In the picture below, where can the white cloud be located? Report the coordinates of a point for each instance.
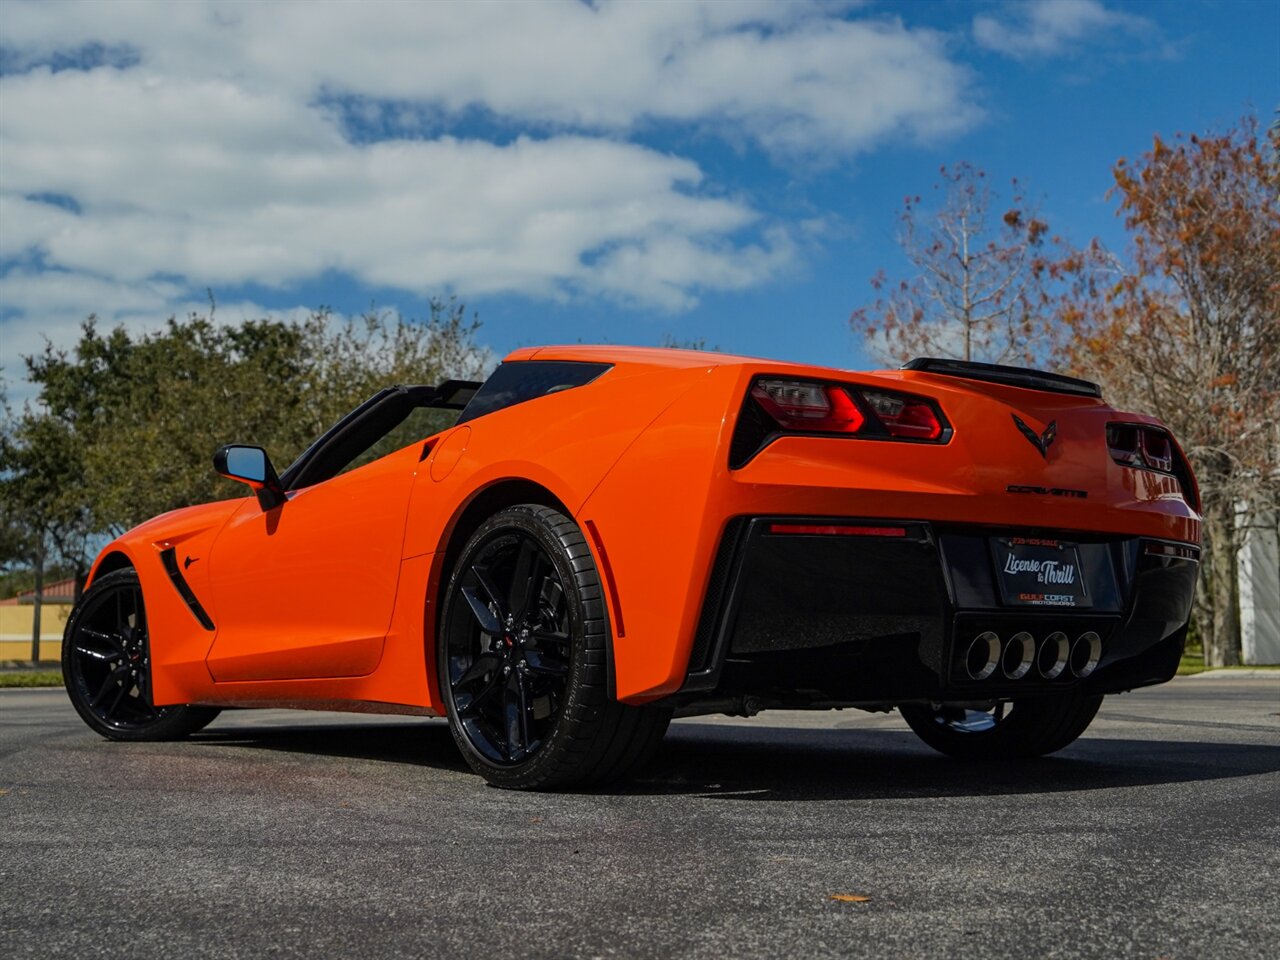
(794, 75)
(209, 182)
(148, 150)
(1043, 28)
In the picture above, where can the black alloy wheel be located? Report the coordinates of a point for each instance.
(1003, 730)
(508, 673)
(106, 666)
(522, 659)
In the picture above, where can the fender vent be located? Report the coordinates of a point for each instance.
(170, 560)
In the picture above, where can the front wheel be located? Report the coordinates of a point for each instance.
(1003, 731)
(106, 666)
(522, 657)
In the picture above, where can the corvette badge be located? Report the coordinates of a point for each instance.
(1040, 441)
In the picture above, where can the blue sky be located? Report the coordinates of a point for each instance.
(730, 171)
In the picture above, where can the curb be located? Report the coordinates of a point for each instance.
(1220, 673)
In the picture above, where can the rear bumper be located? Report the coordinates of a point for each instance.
(813, 619)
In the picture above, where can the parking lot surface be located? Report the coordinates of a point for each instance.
(277, 833)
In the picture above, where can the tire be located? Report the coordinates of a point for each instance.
(106, 660)
(1019, 730)
(522, 656)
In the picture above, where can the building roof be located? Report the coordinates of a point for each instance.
(60, 591)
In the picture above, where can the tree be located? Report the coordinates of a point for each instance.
(144, 413)
(1187, 326)
(671, 342)
(44, 521)
(973, 293)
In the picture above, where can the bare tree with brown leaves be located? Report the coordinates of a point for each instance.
(973, 293)
(1187, 326)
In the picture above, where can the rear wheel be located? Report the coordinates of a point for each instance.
(1004, 731)
(106, 666)
(523, 659)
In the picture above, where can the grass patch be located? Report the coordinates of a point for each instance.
(1192, 660)
(31, 678)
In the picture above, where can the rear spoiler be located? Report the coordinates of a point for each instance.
(1011, 376)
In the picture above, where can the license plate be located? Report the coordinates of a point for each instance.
(1035, 572)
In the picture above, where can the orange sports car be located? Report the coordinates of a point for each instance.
(610, 536)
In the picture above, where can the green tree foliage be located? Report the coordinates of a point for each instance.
(124, 425)
(41, 516)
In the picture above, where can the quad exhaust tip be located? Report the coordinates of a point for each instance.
(983, 655)
(1055, 650)
(1019, 654)
(1085, 654)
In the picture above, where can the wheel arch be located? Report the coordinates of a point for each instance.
(484, 503)
(109, 562)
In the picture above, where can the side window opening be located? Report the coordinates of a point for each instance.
(390, 419)
(418, 424)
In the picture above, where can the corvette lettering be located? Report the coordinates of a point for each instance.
(1047, 491)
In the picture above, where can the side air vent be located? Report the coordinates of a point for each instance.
(170, 560)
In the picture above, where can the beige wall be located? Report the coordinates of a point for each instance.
(15, 631)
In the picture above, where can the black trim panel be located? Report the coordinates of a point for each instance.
(826, 618)
(707, 642)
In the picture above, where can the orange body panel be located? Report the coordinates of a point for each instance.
(333, 595)
(317, 574)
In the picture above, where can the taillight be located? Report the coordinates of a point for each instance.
(799, 405)
(775, 406)
(906, 417)
(1157, 452)
(1152, 448)
(1123, 442)
(1137, 445)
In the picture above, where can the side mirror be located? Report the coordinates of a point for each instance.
(251, 465)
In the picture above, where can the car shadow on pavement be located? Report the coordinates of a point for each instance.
(744, 762)
(741, 763)
(426, 743)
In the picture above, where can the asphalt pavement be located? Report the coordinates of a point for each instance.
(283, 834)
